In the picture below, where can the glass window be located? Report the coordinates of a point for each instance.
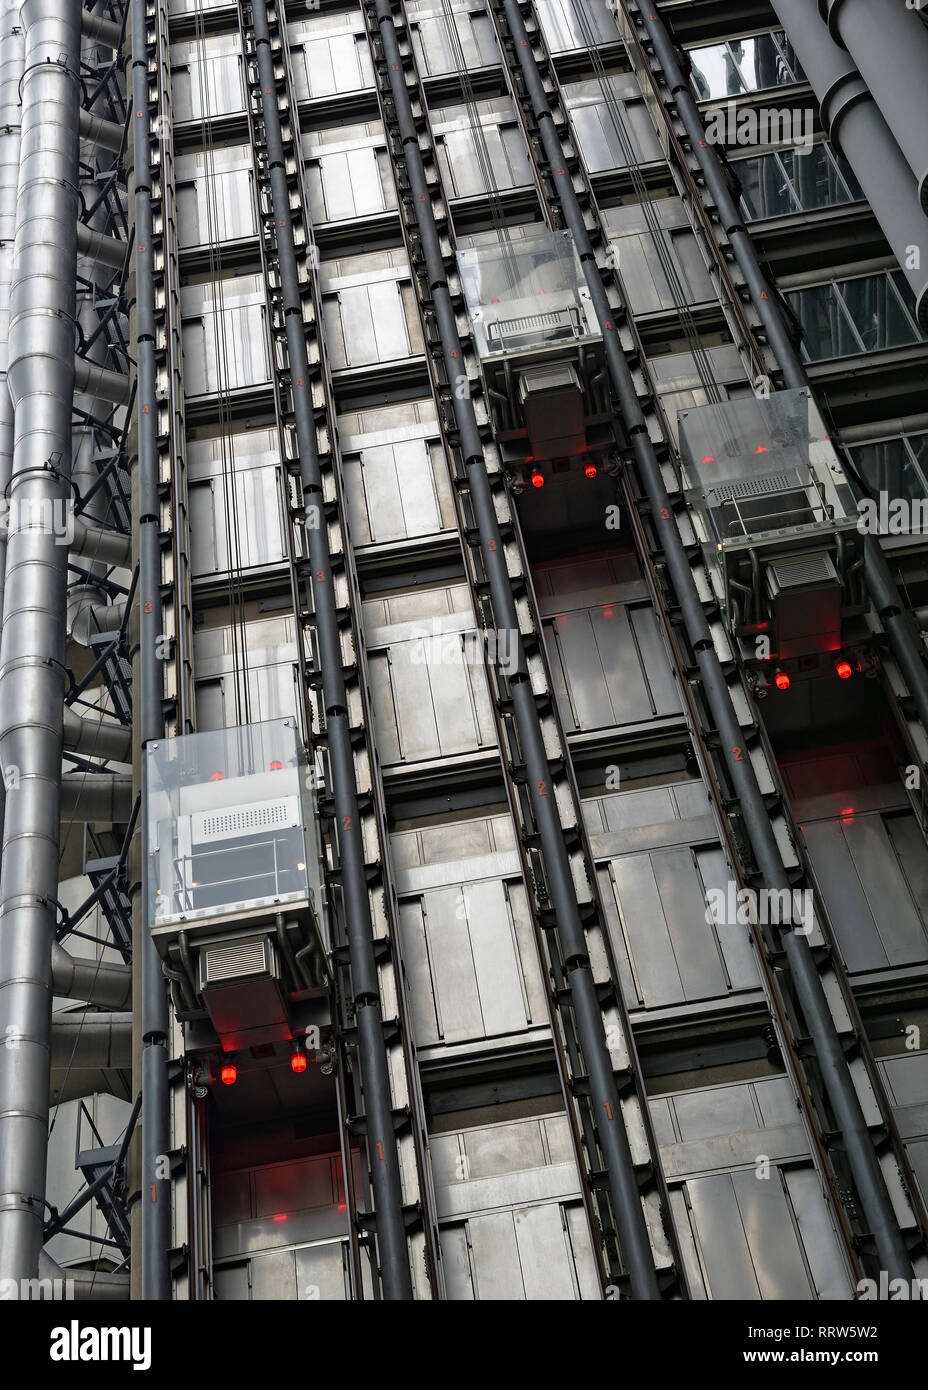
(744, 65)
(866, 314)
(783, 182)
(896, 466)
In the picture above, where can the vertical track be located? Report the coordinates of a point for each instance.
(387, 1104)
(603, 1087)
(163, 654)
(811, 990)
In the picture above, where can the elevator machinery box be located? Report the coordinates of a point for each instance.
(539, 345)
(234, 874)
(777, 519)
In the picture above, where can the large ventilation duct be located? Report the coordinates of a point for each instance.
(107, 984)
(96, 736)
(856, 127)
(889, 44)
(99, 543)
(81, 1041)
(12, 52)
(32, 650)
(84, 1285)
(105, 797)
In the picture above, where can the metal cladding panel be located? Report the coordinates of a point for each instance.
(225, 336)
(430, 696)
(215, 197)
(329, 55)
(873, 873)
(438, 50)
(597, 118)
(471, 962)
(207, 77)
(562, 26)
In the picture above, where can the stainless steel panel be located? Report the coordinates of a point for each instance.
(215, 202)
(562, 26)
(324, 66)
(869, 902)
(321, 1272)
(471, 962)
(656, 911)
(438, 51)
(207, 78)
(237, 519)
(274, 1276)
(224, 337)
(231, 1282)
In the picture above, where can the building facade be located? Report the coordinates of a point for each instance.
(463, 685)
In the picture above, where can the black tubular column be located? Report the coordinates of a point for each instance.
(877, 574)
(381, 1130)
(862, 1157)
(623, 1184)
(156, 1187)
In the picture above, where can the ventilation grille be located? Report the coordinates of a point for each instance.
(240, 820)
(803, 570)
(231, 962)
(770, 484)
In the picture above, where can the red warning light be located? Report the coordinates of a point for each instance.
(844, 669)
(298, 1060)
(781, 680)
(538, 478)
(276, 766)
(708, 459)
(591, 470)
(217, 777)
(229, 1074)
(762, 449)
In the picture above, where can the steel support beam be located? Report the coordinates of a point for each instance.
(155, 1022)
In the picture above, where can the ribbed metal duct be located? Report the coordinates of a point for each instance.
(12, 54)
(82, 1040)
(107, 984)
(98, 543)
(105, 797)
(88, 1285)
(32, 650)
(97, 736)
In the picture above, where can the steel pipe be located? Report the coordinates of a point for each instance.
(104, 797)
(32, 649)
(861, 1154)
(85, 1041)
(93, 380)
(106, 984)
(85, 1285)
(857, 129)
(889, 44)
(96, 131)
(100, 248)
(96, 26)
(12, 56)
(100, 543)
(154, 1022)
(96, 736)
